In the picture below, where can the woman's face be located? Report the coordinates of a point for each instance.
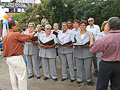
(31, 28)
(83, 26)
(106, 28)
(48, 30)
(76, 25)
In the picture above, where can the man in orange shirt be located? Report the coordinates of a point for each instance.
(13, 50)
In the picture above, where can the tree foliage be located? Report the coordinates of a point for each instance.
(57, 11)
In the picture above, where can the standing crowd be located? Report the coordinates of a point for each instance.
(74, 45)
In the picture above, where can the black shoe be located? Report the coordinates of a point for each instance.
(78, 82)
(90, 83)
(71, 80)
(30, 76)
(38, 77)
(45, 78)
(63, 79)
(40, 67)
(75, 69)
(55, 79)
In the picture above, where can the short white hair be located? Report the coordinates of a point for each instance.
(48, 26)
(39, 25)
(31, 23)
(55, 23)
(90, 18)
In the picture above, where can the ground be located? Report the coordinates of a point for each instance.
(35, 84)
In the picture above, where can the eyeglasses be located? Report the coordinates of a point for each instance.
(30, 26)
(90, 21)
(82, 25)
(49, 28)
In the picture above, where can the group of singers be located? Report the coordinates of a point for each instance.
(71, 44)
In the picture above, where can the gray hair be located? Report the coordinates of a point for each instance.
(114, 23)
(39, 25)
(31, 23)
(92, 18)
(48, 25)
(65, 23)
(55, 23)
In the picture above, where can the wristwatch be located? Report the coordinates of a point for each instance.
(35, 31)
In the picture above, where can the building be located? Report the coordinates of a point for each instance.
(16, 6)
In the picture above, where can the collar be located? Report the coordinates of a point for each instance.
(92, 26)
(114, 31)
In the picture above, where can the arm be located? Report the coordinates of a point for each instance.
(44, 46)
(86, 45)
(97, 46)
(33, 33)
(25, 38)
(68, 45)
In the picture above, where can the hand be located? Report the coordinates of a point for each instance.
(59, 44)
(40, 45)
(37, 29)
(34, 42)
(86, 45)
(45, 46)
(91, 37)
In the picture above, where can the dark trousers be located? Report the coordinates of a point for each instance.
(108, 71)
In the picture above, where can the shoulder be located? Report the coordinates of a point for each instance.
(77, 33)
(100, 33)
(54, 36)
(26, 32)
(18, 33)
(42, 35)
(88, 26)
(89, 32)
(96, 26)
(69, 31)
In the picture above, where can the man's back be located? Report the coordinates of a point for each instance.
(109, 45)
(13, 43)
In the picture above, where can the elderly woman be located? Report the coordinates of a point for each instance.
(48, 53)
(104, 32)
(31, 51)
(82, 54)
(65, 51)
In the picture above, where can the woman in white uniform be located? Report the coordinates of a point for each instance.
(74, 30)
(82, 54)
(31, 51)
(104, 32)
(40, 32)
(48, 53)
(65, 52)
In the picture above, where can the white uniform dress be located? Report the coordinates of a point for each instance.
(74, 59)
(66, 54)
(31, 51)
(39, 58)
(83, 57)
(49, 56)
